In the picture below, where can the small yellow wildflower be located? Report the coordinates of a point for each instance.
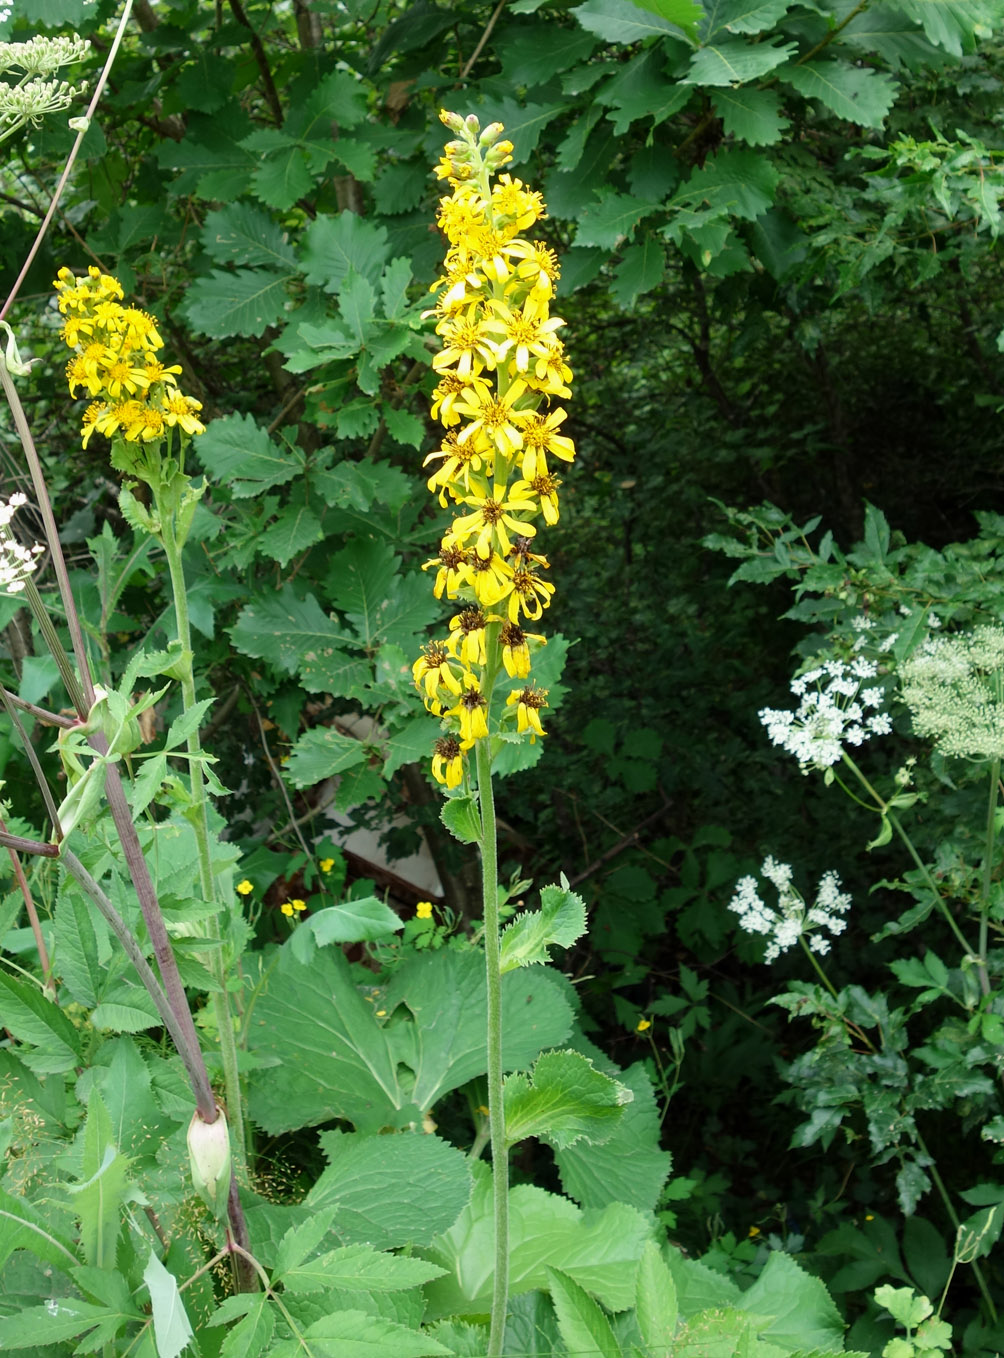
(289, 908)
(245, 888)
(326, 864)
(643, 1025)
(423, 910)
(754, 1231)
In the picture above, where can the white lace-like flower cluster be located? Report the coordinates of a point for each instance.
(32, 96)
(792, 918)
(833, 712)
(16, 561)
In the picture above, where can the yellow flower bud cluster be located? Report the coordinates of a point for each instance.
(501, 370)
(133, 394)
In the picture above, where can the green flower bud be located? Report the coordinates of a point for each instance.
(209, 1158)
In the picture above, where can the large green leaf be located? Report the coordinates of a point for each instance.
(628, 1167)
(335, 1057)
(296, 528)
(803, 1315)
(752, 116)
(285, 630)
(243, 234)
(656, 1306)
(355, 1334)
(607, 223)
(621, 22)
(562, 1100)
(325, 752)
(336, 246)
(737, 182)
(238, 453)
(641, 269)
(599, 1250)
(245, 302)
(212, 161)
(559, 922)
(953, 24)
(32, 1017)
(582, 1324)
(856, 93)
(741, 16)
(432, 1185)
(734, 62)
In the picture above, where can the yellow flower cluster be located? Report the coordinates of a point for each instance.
(133, 394)
(501, 368)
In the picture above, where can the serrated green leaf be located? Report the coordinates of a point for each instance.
(737, 182)
(741, 16)
(656, 1307)
(252, 1335)
(245, 302)
(76, 949)
(858, 94)
(629, 1167)
(621, 22)
(608, 222)
(953, 24)
(582, 1325)
(211, 158)
(560, 921)
(32, 1017)
(296, 528)
(285, 630)
(599, 1250)
(461, 818)
(362, 1268)
(242, 234)
(641, 269)
(336, 246)
(58, 1320)
(335, 1058)
(411, 743)
(803, 1315)
(323, 753)
(125, 1018)
(431, 1178)
(734, 62)
(355, 1334)
(752, 116)
(564, 1099)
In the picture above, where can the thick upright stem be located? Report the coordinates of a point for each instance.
(496, 1111)
(200, 823)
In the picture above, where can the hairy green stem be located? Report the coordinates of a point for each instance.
(496, 1110)
(200, 824)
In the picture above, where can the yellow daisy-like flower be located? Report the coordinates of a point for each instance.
(245, 888)
(500, 362)
(448, 762)
(423, 910)
(528, 703)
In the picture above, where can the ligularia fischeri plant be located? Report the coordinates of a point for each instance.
(500, 368)
(792, 919)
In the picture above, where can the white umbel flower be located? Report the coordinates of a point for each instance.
(836, 709)
(791, 919)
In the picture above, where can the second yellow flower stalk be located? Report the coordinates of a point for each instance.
(501, 371)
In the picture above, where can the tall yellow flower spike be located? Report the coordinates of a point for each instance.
(133, 394)
(500, 367)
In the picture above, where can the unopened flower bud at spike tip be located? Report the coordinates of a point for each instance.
(209, 1160)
